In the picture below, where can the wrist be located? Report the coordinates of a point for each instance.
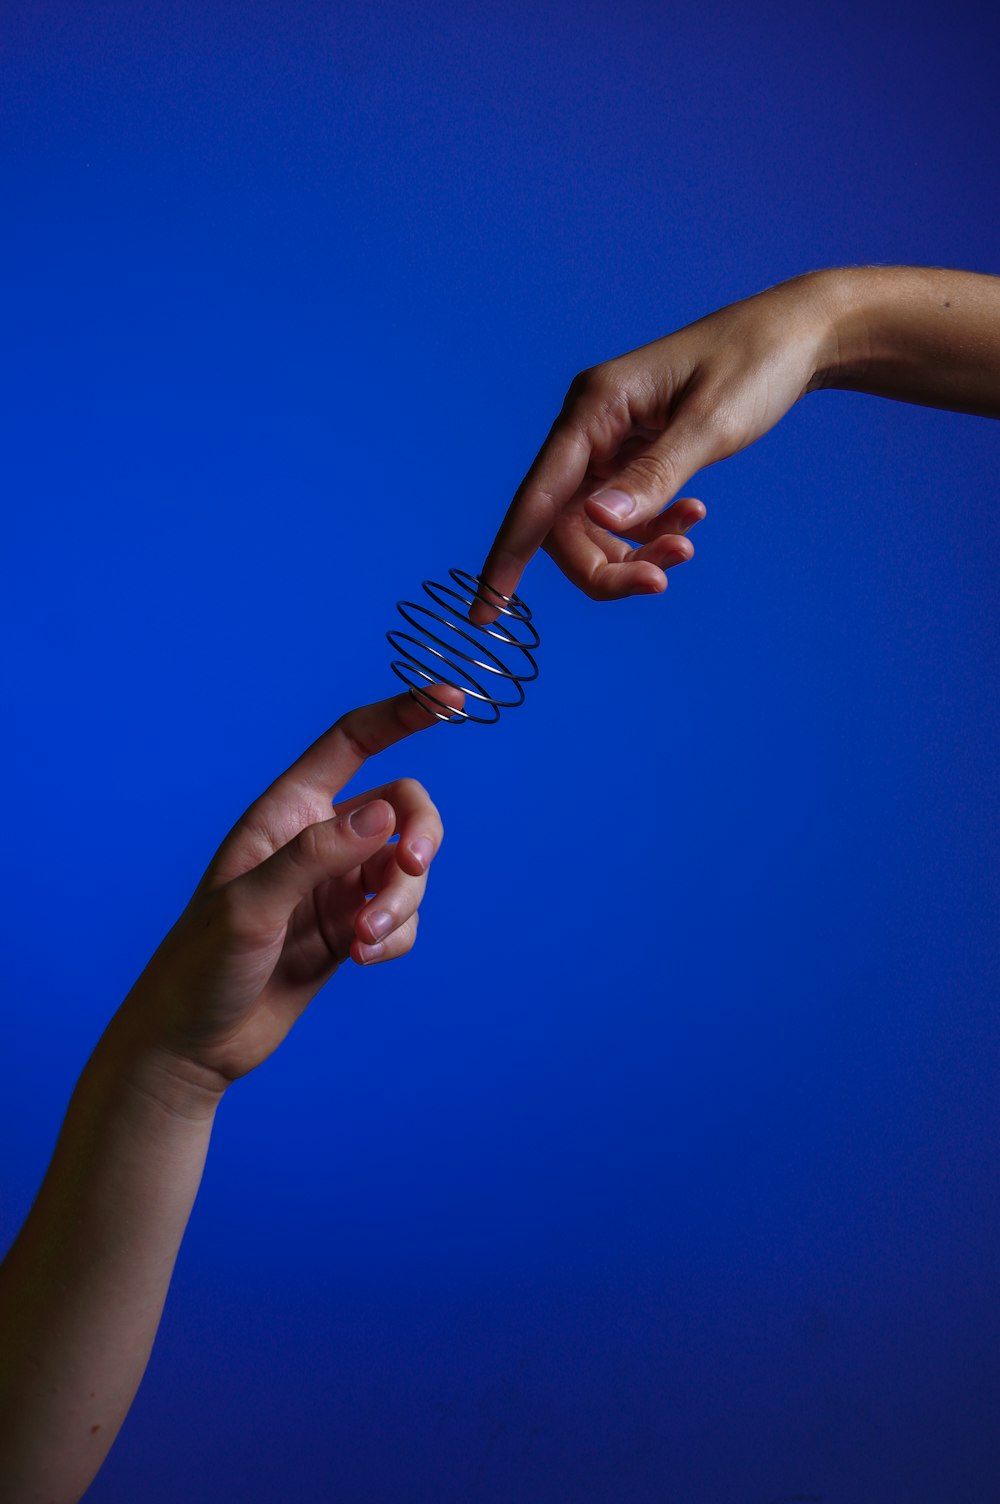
(833, 307)
(865, 306)
(181, 1087)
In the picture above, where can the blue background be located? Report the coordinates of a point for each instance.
(665, 1168)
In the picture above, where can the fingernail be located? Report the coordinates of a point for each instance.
(423, 850)
(618, 503)
(370, 953)
(379, 924)
(369, 819)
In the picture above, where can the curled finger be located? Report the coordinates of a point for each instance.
(418, 823)
(676, 522)
(395, 945)
(603, 566)
(396, 897)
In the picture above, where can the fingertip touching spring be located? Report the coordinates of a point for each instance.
(490, 664)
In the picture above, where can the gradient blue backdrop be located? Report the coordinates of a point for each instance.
(665, 1169)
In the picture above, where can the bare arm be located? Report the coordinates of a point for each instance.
(632, 431)
(292, 892)
(82, 1290)
(919, 334)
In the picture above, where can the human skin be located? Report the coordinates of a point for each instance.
(632, 431)
(281, 906)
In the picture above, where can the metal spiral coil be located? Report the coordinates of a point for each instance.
(441, 653)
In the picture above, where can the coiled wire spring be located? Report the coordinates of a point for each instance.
(439, 655)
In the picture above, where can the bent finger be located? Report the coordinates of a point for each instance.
(418, 822)
(678, 519)
(602, 578)
(336, 756)
(640, 490)
(390, 949)
(263, 898)
(396, 899)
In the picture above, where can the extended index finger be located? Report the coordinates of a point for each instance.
(335, 757)
(553, 480)
(304, 792)
(296, 796)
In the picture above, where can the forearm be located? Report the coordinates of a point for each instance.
(919, 334)
(82, 1289)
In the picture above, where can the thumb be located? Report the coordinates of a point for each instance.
(265, 897)
(643, 487)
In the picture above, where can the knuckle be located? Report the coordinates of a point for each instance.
(350, 728)
(655, 470)
(435, 816)
(259, 835)
(580, 386)
(410, 791)
(546, 505)
(228, 912)
(597, 398)
(594, 381)
(399, 942)
(307, 849)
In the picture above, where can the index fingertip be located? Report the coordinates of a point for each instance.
(482, 615)
(497, 583)
(423, 707)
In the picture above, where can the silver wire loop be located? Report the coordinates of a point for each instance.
(441, 654)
